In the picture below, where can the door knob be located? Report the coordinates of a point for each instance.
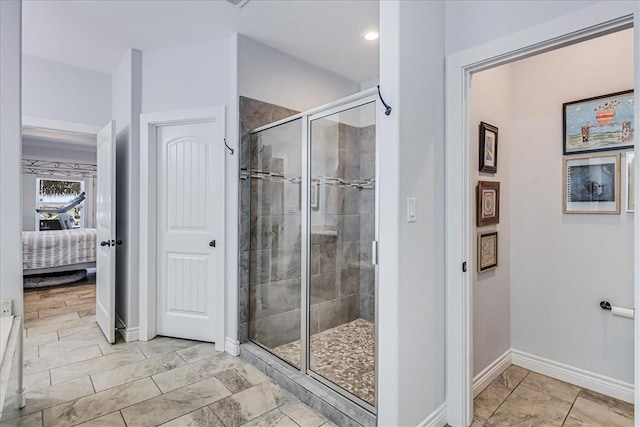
(105, 243)
(118, 242)
(212, 243)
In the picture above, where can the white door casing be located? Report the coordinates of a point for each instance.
(188, 237)
(588, 23)
(106, 231)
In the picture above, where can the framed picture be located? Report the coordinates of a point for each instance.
(488, 148)
(598, 124)
(592, 184)
(488, 203)
(487, 251)
(630, 173)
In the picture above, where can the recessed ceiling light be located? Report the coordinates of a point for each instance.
(371, 35)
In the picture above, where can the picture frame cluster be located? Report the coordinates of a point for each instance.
(487, 199)
(595, 132)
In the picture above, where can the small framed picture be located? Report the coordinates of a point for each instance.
(488, 148)
(488, 203)
(487, 251)
(592, 184)
(598, 124)
(630, 173)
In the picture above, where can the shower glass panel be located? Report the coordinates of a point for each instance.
(275, 246)
(342, 228)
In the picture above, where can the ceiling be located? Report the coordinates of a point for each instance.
(95, 34)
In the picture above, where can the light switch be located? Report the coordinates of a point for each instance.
(411, 209)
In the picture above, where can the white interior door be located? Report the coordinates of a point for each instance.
(190, 222)
(106, 232)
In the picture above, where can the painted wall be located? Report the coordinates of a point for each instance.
(564, 265)
(53, 90)
(411, 381)
(490, 101)
(10, 153)
(472, 23)
(195, 76)
(270, 75)
(126, 92)
(64, 153)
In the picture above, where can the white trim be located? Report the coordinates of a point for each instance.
(127, 334)
(437, 418)
(572, 375)
(232, 346)
(30, 122)
(590, 22)
(491, 372)
(148, 122)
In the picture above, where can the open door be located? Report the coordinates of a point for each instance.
(106, 232)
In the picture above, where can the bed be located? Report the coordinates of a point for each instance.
(58, 251)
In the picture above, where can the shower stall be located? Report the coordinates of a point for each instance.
(313, 244)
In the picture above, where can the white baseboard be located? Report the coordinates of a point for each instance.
(232, 346)
(491, 372)
(576, 376)
(437, 418)
(128, 334)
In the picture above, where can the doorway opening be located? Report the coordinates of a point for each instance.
(512, 225)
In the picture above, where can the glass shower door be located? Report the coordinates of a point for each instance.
(275, 279)
(342, 229)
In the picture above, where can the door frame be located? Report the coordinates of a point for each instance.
(585, 24)
(149, 122)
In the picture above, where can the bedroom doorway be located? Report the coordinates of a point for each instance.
(60, 198)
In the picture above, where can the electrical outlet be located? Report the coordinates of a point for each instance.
(5, 307)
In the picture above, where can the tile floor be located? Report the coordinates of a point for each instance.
(74, 377)
(344, 355)
(522, 398)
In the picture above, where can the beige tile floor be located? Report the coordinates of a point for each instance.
(74, 377)
(522, 398)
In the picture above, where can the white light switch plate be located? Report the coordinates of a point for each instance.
(411, 209)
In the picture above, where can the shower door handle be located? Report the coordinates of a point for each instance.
(374, 252)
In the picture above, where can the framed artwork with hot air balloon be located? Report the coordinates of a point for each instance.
(598, 124)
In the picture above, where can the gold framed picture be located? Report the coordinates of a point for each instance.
(487, 251)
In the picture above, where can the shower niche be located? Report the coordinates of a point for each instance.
(312, 234)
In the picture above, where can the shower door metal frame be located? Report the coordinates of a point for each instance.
(344, 104)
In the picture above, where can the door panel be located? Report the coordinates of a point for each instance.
(106, 232)
(190, 225)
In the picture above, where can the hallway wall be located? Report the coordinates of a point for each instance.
(490, 101)
(563, 265)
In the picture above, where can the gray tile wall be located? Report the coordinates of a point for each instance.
(342, 277)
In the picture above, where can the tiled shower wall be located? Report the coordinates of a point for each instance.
(342, 228)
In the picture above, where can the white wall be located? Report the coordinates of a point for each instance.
(564, 265)
(195, 76)
(126, 92)
(52, 90)
(10, 153)
(411, 382)
(471, 22)
(490, 101)
(39, 150)
(270, 75)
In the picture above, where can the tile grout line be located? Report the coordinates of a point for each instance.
(571, 408)
(507, 396)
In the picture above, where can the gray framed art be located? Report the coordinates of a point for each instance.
(592, 184)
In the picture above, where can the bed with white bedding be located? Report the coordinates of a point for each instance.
(58, 250)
